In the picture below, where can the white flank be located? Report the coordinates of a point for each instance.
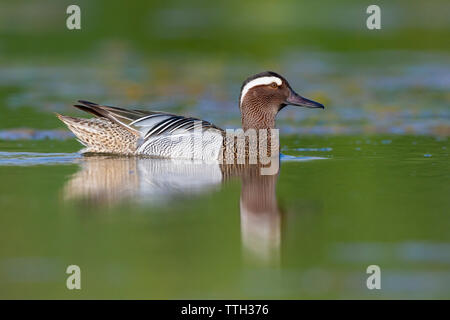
(196, 145)
(259, 82)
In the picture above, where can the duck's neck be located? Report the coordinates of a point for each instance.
(258, 116)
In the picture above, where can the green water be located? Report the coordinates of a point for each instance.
(372, 200)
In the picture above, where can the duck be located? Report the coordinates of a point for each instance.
(109, 181)
(132, 132)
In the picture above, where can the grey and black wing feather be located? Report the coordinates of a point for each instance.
(146, 124)
(171, 124)
(162, 134)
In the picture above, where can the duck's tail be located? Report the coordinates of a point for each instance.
(101, 135)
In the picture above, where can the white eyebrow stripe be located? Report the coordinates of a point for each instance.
(259, 82)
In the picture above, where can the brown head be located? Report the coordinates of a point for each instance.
(263, 95)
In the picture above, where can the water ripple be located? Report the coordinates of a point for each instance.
(36, 158)
(286, 157)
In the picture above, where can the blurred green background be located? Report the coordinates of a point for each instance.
(192, 57)
(255, 29)
(379, 196)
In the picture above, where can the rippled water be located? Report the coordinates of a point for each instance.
(149, 228)
(36, 158)
(363, 182)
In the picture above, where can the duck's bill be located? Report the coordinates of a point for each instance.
(297, 100)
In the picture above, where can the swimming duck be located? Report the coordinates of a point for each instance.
(159, 134)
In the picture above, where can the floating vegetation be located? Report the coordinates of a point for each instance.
(314, 149)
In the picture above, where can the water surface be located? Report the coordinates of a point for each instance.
(365, 181)
(149, 228)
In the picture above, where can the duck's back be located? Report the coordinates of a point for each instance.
(135, 132)
(100, 135)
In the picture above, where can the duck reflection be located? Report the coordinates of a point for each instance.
(260, 216)
(109, 180)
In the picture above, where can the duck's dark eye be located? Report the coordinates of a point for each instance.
(274, 85)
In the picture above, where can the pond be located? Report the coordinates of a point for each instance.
(149, 228)
(363, 182)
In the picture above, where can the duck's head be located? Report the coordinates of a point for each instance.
(263, 95)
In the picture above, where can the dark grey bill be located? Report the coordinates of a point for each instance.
(297, 100)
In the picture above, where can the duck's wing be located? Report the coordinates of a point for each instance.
(146, 124)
